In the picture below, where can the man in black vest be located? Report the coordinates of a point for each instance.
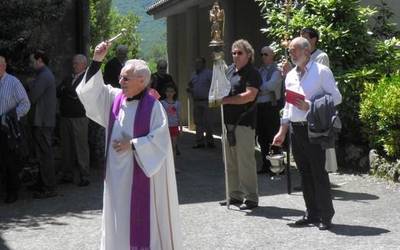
(268, 119)
(161, 78)
(74, 127)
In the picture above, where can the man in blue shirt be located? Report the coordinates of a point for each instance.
(268, 119)
(13, 102)
(199, 87)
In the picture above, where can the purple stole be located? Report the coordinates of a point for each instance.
(140, 194)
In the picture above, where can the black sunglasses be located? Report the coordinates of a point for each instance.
(239, 53)
(264, 54)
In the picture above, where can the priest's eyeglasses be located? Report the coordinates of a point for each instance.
(124, 78)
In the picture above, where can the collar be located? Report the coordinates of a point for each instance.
(308, 66)
(38, 71)
(136, 97)
(267, 66)
(75, 76)
(244, 69)
(315, 50)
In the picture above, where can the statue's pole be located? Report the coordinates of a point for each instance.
(217, 19)
(285, 43)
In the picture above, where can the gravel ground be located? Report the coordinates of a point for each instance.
(367, 213)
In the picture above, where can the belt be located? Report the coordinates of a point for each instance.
(299, 124)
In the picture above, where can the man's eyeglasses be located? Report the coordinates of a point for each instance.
(239, 53)
(264, 54)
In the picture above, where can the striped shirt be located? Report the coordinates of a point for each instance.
(13, 95)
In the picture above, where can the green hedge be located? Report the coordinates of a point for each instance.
(380, 115)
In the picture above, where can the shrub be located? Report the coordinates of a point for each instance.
(343, 27)
(380, 115)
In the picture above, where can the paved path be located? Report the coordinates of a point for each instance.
(367, 213)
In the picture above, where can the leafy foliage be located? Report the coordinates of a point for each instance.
(342, 25)
(100, 15)
(370, 110)
(106, 22)
(128, 21)
(380, 114)
(152, 32)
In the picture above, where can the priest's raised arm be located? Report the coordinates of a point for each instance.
(140, 208)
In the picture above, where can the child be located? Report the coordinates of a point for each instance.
(173, 108)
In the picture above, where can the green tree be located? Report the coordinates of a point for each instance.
(106, 22)
(343, 27)
(100, 20)
(131, 38)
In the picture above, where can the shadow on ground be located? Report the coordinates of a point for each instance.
(356, 230)
(71, 201)
(351, 230)
(278, 213)
(352, 196)
(202, 177)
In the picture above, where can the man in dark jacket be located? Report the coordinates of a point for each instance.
(161, 78)
(74, 126)
(42, 94)
(114, 66)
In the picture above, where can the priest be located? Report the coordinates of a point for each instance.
(140, 203)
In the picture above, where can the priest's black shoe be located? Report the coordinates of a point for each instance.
(325, 225)
(305, 221)
(248, 205)
(232, 201)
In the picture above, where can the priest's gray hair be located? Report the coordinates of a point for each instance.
(80, 58)
(302, 42)
(137, 67)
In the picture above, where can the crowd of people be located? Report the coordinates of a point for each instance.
(252, 110)
(115, 120)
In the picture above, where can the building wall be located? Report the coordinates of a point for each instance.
(188, 36)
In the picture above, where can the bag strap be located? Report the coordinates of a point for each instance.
(242, 115)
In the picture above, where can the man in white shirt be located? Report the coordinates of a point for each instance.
(309, 79)
(321, 57)
(317, 55)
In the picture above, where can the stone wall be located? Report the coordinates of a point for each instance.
(61, 39)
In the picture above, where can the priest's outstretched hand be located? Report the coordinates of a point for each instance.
(101, 51)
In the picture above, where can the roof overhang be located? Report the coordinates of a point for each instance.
(165, 8)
